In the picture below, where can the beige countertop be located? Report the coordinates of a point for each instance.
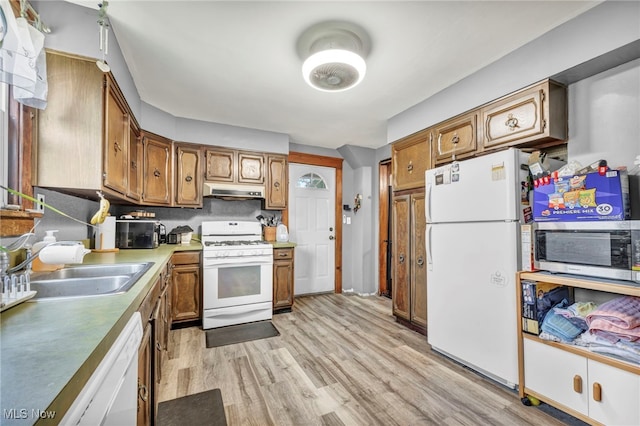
(277, 245)
(50, 348)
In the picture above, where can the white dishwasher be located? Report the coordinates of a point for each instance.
(110, 396)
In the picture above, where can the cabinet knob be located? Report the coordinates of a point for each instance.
(577, 384)
(512, 122)
(410, 168)
(276, 185)
(134, 165)
(597, 392)
(156, 173)
(188, 178)
(455, 139)
(401, 258)
(420, 261)
(116, 146)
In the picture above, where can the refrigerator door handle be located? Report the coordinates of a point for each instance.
(429, 256)
(427, 210)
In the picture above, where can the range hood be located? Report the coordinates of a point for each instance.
(233, 191)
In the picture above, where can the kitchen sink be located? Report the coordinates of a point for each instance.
(87, 280)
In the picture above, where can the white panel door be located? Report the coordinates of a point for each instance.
(471, 295)
(312, 227)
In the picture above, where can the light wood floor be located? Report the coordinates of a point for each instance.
(340, 360)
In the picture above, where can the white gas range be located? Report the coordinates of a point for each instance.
(237, 273)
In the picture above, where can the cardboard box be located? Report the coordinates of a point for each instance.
(526, 238)
(589, 197)
(537, 299)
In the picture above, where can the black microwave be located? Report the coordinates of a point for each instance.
(137, 234)
(605, 249)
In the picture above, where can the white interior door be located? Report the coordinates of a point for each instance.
(312, 224)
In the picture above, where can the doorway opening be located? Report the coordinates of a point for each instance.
(385, 272)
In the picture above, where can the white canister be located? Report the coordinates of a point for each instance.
(282, 234)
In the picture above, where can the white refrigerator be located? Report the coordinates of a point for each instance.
(473, 212)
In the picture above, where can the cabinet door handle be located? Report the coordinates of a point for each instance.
(134, 165)
(512, 122)
(188, 178)
(282, 254)
(577, 384)
(143, 392)
(116, 146)
(455, 139)
(156, 173)
(401, 258)
(276, 185)
(597, 392)
(410, 168)
(420, 261)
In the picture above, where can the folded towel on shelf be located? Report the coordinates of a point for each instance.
(622, 312)
(562, 327)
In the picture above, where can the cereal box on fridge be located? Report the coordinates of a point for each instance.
(589, 197)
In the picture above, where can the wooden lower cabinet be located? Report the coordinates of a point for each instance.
(283, 279)
(151, 351)
(409, 285)
(144, 377)
(186, 287)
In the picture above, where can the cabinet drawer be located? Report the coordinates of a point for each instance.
(185, 258)
(282, 253)
(535, 114)
(456, 138)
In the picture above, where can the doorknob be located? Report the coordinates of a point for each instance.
(331, 237)
(330, 229)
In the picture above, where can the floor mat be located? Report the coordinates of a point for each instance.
(204, 408)
(240, 333)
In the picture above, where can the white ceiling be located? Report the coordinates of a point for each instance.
(235, 62)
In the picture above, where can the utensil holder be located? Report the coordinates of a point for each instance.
(269, 233)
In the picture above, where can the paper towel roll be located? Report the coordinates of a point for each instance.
(63, 254)
(106, 234)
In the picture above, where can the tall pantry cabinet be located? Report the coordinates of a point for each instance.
(411, 157)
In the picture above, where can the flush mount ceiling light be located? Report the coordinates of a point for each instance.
(333, 54)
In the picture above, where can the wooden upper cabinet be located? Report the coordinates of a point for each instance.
(188, 185)
(456, 138)
(71, 131)
(411, 157)
(232, 166)
(134, 184)
(533, 115)
(277, 182)
(116, 139)
(250, 168)
(220, 165)
(157, 177)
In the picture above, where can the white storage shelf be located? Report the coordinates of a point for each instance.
(594, 388)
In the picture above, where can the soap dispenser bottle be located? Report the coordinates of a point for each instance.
(37, 265)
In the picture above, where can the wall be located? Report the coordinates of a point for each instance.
(601, 29)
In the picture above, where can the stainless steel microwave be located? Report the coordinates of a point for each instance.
(604, 249)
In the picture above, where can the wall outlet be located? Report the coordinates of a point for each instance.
(39, 207)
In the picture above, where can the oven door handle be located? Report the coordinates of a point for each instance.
(221, 263)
